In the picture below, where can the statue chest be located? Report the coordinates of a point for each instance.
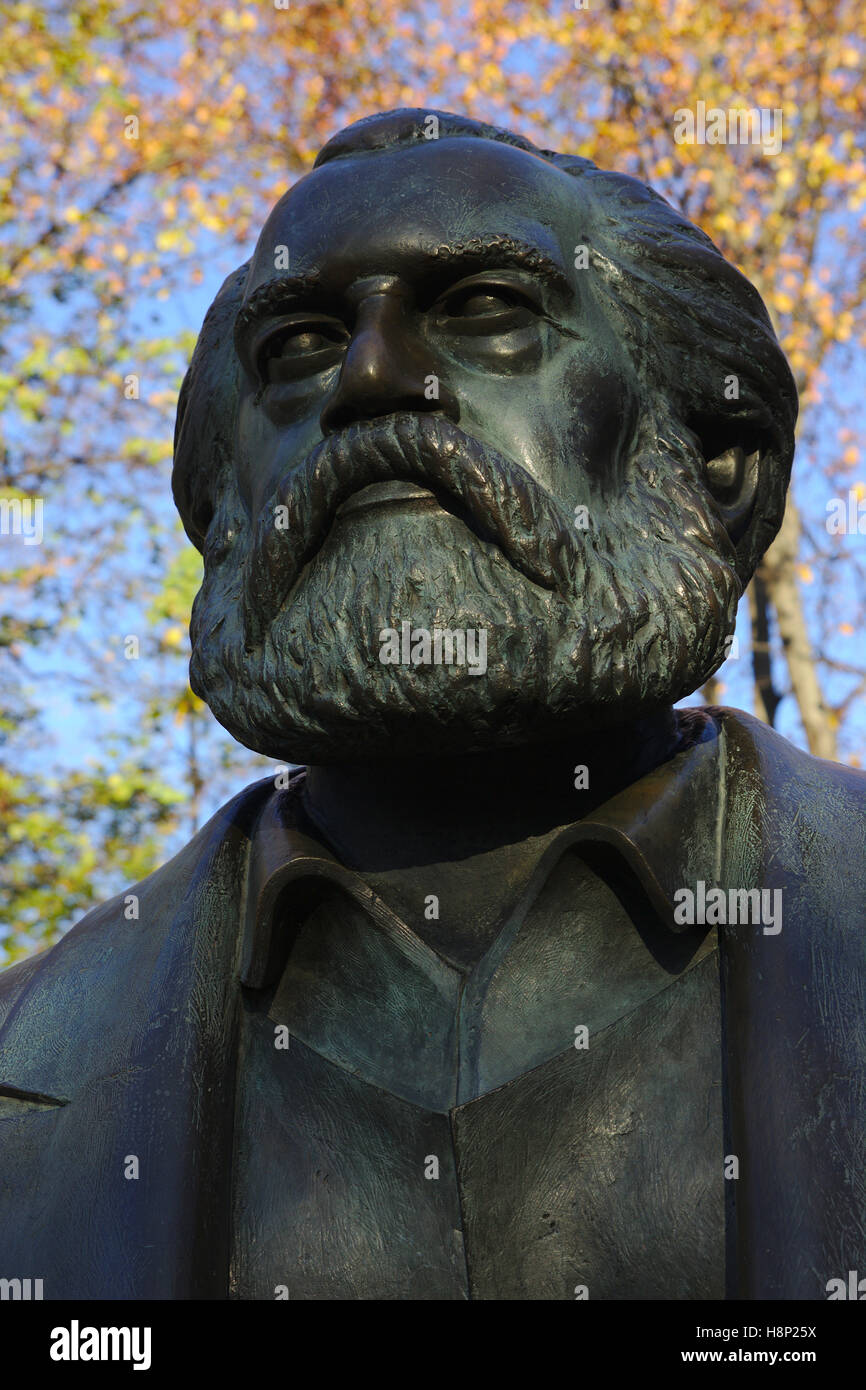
(546, 1129)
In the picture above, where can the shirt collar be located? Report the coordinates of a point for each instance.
(666, 827)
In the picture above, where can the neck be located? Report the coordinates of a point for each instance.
(392, 815)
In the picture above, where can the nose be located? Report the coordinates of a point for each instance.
(385, 368)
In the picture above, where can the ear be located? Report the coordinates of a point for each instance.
(732, 478)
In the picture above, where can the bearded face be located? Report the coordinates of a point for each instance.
(438, 433)
(580, 630)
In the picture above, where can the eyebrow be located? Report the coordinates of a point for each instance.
(505, 250)
(273, 296)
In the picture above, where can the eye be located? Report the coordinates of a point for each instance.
(299, 346)
(472, 303)
(485, 306)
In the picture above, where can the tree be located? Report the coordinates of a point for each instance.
(142, 147)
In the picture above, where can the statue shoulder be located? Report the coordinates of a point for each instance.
(783, 762)
(808, 813)
(133, 923)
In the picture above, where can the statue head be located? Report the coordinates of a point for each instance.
(468, 386)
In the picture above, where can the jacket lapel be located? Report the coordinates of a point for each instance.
(122, 1049)
(795, 1019)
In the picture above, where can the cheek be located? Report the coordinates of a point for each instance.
(602, 411)
(577, 431)
(264, 451)
(254, 449)
(598, 386)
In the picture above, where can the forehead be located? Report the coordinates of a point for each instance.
(371, 214)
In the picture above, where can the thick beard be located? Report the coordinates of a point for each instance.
(641, 620)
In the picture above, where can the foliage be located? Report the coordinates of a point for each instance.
(140, 150)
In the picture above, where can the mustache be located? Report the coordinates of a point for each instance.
(504, 503)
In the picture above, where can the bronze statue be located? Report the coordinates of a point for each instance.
(529, 986)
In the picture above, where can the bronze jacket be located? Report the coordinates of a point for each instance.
(125, 1041)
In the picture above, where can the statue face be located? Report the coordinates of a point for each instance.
(524, 359)
(439, 427)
